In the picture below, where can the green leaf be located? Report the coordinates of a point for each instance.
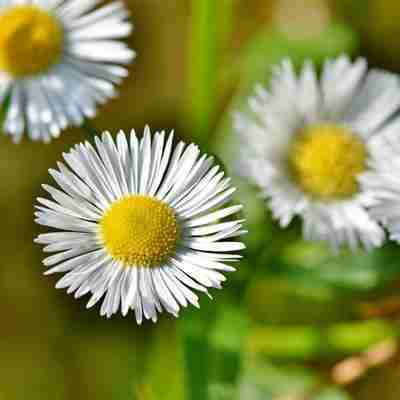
(355, 337)
(359, 271)
(296, 342)
(278, 300)
(305, 343)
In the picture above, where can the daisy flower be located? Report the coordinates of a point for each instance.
(59, 59)
(140, 223)
(307, 141)
(383, 179)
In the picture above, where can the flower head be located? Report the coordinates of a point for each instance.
(383, 179)
(58, 61)
(307, 143)
(139, 223)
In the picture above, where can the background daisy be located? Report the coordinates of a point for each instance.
(383, 179)
(139, 223)
(307, 141)
(58, 61)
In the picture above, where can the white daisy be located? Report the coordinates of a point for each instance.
(307, 141)
(383, 178)
(59, 59)
(140, 223)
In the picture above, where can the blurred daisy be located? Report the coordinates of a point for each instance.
(140, 223)
(307, 141)
(383, 178)
(58, 61)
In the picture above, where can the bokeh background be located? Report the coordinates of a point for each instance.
(295, 322)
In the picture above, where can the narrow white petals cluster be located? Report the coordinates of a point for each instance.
(93, 179)
(383, 179)
(91, 64)
(346, 96)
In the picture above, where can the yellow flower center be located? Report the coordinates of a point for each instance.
(325, 161)
(140, 231)
(31, 40)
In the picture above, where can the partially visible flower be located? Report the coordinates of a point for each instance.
(58, 61)
(139, 223)
(306, 142)
(383, 179)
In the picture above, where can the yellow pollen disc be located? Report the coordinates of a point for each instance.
(325, 161)
(140, 231)
(31, 41)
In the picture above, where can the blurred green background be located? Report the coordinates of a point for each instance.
(295, 322)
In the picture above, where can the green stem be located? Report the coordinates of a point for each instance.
(195, 333)
(210, 28)
(163, 378)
